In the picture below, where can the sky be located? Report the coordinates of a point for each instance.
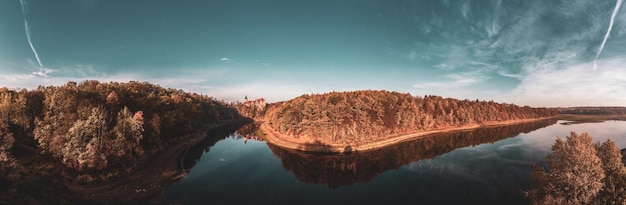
(528, 52)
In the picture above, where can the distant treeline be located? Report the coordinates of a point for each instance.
(92, 126)
(366, 116)
(592, 110)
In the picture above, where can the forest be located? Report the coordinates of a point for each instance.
(94, 131)
(366, 116)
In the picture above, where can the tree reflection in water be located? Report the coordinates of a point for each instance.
(191, 156)
(337, 170)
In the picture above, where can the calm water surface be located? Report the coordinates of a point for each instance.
(483, 166)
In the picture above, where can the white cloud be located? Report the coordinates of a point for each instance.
(492, 29)
(196, 80)
(42, 72)
(19, 76)
(510, 75)
(575, 85)
(618, 4)
(86, 71)
(227, 60)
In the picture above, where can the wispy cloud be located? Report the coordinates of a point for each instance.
(465, 9)
(454, 80)
(553, 66)
(264, 63)
(575, 85)
(618, 4)
(510, 75)
(30, 75)
(82, 70)
(42, 72)
(196, 80)
(27, 31)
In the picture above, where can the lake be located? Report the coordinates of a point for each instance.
(481, 166)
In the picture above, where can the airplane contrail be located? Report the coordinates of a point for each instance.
(27, 31)
(618, 4)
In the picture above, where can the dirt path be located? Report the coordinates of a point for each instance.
(148, 182)
(274, 137)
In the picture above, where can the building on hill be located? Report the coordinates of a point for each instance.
(252, 108)
(258, 103)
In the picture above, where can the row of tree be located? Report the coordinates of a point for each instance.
(95, 126)
(580, 172)
(363, 116)
(592, 110)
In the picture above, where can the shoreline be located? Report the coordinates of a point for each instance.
(147, 183)
(272, 136)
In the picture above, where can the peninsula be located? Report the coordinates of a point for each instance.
(365, 120)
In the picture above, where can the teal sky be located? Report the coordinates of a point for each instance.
(528, 52)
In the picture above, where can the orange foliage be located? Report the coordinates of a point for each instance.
(94, 126)
(366, 116)
(580, 173)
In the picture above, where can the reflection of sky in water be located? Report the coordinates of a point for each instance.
(495, 163)
(233, 173)
(544, 138)
(227, 154)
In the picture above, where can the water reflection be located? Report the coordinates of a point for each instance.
(337, 170)
(191, 157)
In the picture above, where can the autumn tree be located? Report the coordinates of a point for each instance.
(91, 126)
(127, 133)
(368, 115)
(84, 146)
(580, 173)
(112, 99)
(575, 175)
(614, 189)
(60, 113)
(6, 142)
